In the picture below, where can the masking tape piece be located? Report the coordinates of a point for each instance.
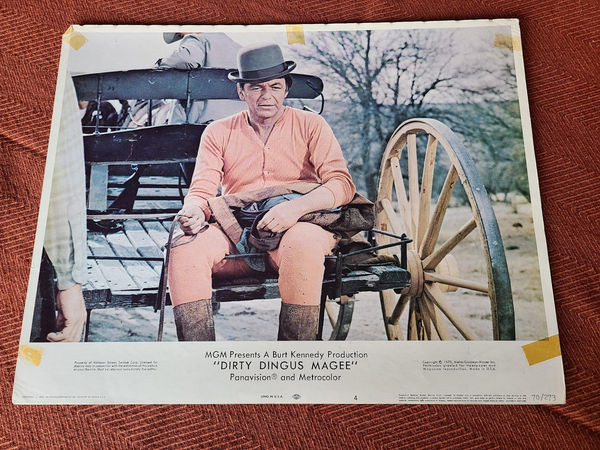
(74, 38)
(507, 41)
(542, 350)
(295, 34)
(31, 354)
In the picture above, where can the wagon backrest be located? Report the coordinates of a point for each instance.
(163, 143)
(196, 84)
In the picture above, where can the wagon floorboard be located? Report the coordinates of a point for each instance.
(114, 272)
(144, 244)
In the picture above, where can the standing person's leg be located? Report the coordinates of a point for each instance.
(65, 239)
(300, 260)
(193, 261)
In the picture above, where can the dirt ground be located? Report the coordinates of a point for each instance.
(258, 320)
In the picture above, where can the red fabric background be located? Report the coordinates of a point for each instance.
(562, 60)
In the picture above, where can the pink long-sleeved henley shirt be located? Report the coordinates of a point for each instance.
(301, 147)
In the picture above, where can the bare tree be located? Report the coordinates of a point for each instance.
(385, 77)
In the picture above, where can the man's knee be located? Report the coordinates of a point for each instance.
(204, 249)
(307, 239)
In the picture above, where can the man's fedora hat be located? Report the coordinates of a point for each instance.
(261, 62)
(172, 37)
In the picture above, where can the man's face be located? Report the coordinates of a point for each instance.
(265, 100)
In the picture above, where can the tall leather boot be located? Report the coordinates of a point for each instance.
(298, 322)
(194, 321)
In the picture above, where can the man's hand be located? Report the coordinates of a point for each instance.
(281, 217)
(71, 316)
(285, 215)
(191, 219)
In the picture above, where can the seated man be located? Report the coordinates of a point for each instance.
(267, 145)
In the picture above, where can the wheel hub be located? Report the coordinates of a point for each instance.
(447, 267)
(415, 268)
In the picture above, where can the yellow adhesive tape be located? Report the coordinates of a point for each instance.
(542, 350)
(74, 38)
(295, 34)
(507, 41)
(31, 354)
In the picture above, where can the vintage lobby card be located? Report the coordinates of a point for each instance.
(430, 122)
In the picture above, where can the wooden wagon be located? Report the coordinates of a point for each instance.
(124, 267)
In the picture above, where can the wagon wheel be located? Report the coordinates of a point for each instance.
(434, 269)
(339, 315)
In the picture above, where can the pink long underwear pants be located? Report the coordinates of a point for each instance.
(299, 260)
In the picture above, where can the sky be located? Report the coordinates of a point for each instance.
(116, 49)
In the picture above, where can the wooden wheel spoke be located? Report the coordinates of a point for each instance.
(436, 296)
(411, 332)
(332, 314)
(457, 282)
(413, 179)
(389, 300)
(435, 225)
(425, 318)
(398, 309)
(436, 319)
(426, 187)
(401, 193)
(395, 221)
(397, 224)
(431, 261)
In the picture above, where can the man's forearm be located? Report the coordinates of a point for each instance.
(320, 198)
